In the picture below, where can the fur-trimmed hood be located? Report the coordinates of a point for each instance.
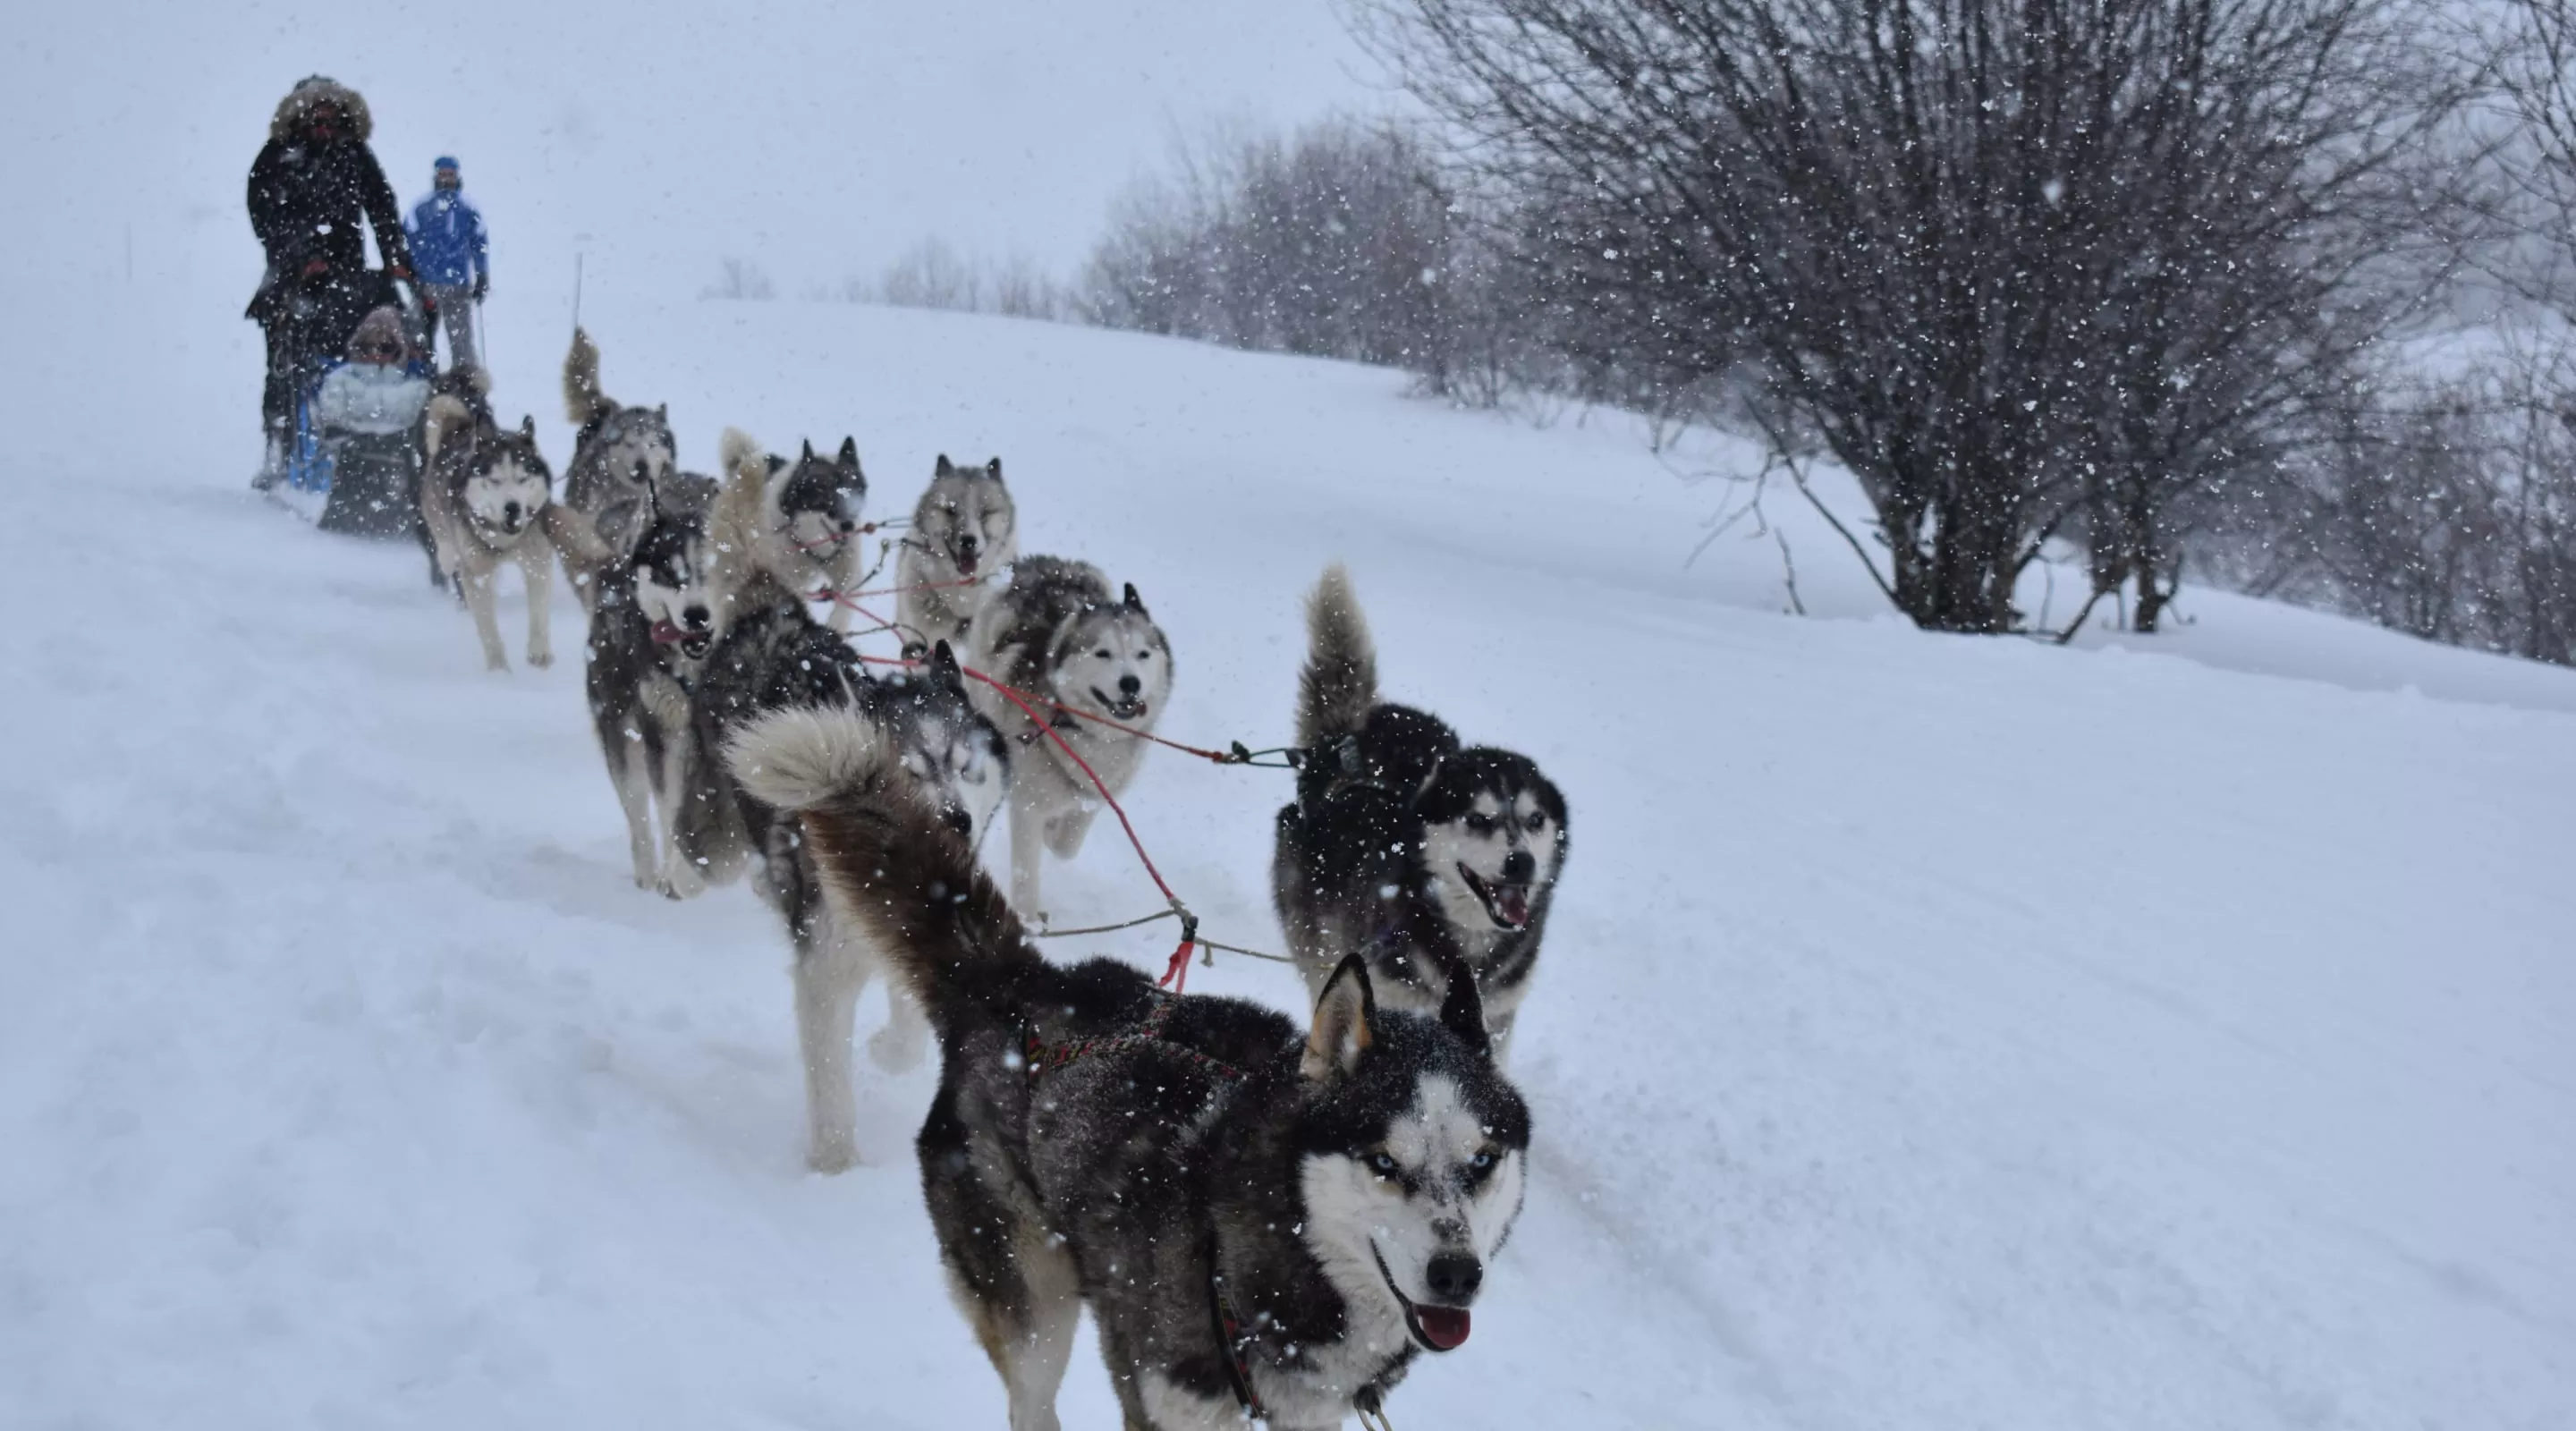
(318, 89)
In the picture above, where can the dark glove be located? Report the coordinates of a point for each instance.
(482, 285)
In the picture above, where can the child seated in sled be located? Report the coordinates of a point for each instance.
(380, 389)
(365, 414)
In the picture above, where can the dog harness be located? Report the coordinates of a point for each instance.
(1044, 1057)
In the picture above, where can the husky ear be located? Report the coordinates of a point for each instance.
(850, 453)
(993, 469)
(944, 468)
(1343, 1014)
(528, 427)
(662, 412)
(1135, 603)
(1462, 1012)
(809, 449)
(944, 668)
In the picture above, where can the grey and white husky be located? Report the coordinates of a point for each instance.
(620, 457)
(486, 500)
(1264, 1226)
(1422, 855)
(964, 528)
(1056, 633)
(650, 632)
(771, 655)
(797, 522)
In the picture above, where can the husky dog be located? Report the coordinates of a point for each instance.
(964, 527)
(1263, 1225)
(686, 494)
(796, 522)
(1424, 856)
(771, 654)
(650, 633)
(621, 455)
(486, 499)
(1054, 632)
(471, 386)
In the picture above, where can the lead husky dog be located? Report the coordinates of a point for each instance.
(1055, 634)
(1424, 856)
(964, 527)
(1264, 1226)
(770, 655)
(620, 458)
(650, 632)
(486, 499)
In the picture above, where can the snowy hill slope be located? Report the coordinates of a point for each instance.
(1933, 1033)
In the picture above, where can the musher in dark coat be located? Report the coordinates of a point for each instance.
(314, 190)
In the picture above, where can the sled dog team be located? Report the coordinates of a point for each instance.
(1267, 1223)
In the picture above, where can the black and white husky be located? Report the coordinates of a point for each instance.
(770, 655)
(1056, 633)
(1264, 1224)
(964, 528)
(621, 456)
(650, 632)
(796, 521)
(1422, 855)
(486, 500)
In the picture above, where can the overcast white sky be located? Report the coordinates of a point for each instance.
(820, 138)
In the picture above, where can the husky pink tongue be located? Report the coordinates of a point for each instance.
(668, 634)
(1513, 901)
(1444, 1327)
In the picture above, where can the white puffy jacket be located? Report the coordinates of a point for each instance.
(375, 398)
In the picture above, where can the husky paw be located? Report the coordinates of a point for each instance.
(540, 657)
(833, 1157)
(680, 882)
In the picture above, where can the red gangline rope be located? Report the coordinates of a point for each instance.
(1176, 974)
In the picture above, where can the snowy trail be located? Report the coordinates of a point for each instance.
(1933, 1033)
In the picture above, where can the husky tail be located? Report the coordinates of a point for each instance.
(890, 864)
(443, 421)
(584, 404)
(1339, 684)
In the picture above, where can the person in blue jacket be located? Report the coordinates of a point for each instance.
(452, 255)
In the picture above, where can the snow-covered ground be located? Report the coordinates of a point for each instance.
(1934, 1032)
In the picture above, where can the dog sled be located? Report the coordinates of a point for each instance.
(353, 458)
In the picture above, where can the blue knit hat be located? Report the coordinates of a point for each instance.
(444, 161)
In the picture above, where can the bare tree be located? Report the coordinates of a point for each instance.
(1335, 241)
(741, 280)
(932, 274)
(1933, 221)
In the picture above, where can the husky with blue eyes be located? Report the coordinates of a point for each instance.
(1056, 633)
(1267, 1224)
(1404, 847)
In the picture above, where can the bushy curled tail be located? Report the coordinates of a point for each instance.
(447, 417)
(1339, 684)
(890, 865)
(583, 401)
(742, 457)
